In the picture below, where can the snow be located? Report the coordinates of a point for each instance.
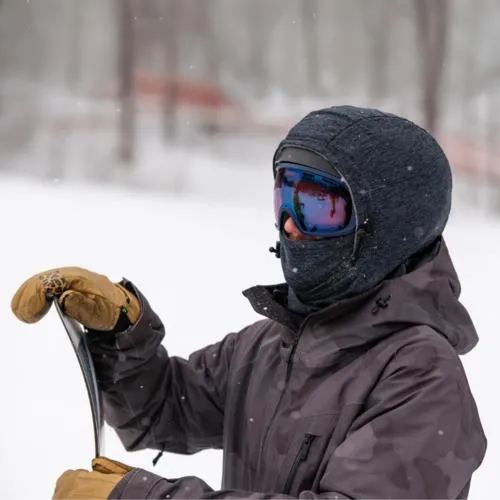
(191, 256)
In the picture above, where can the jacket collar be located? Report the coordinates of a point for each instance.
(426, 296)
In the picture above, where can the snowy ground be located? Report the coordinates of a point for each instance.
(191, 257)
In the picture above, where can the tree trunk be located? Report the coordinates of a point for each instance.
(75, 42)
(378, 31)
(127, 126)
(311, 46)
(212, 61)
(171, 32)
(432, 23)
(258, 38)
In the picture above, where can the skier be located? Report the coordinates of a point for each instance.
(352, 387)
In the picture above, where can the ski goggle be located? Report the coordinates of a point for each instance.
(319, 205)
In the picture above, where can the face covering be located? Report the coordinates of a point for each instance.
(318, 272)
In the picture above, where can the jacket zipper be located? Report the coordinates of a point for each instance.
(289, 363)
(301, 457)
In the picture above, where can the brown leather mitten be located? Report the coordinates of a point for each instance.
(89, 298)
(107, 466)
(95, 485)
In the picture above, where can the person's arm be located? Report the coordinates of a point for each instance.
(419, 437)
(156, 401)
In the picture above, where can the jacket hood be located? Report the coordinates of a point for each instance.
(399, 179)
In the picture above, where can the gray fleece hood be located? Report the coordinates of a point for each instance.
(400, 183)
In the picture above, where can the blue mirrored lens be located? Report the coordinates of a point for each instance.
(319, 205)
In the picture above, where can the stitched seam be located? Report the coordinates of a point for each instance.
(359, 120)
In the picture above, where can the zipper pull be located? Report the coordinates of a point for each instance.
(306, 446)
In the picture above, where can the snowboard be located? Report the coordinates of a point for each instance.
(76, 334)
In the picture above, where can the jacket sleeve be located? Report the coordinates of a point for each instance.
(156, 401)
(418, 437)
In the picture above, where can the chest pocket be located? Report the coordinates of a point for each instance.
(302, 467)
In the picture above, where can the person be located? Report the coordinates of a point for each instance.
(351, 386)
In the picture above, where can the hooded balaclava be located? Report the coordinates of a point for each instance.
(400, 183)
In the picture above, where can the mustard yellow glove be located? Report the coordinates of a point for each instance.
(89, 298)
(94, 485)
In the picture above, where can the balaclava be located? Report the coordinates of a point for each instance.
(400, 183)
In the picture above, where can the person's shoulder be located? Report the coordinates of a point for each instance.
(261, 333)
(425, 348)
(261, 329)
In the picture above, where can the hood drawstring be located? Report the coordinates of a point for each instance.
(276, 250)
(157, 458)
(381, 303)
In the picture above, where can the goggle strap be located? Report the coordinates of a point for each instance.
(304, 157)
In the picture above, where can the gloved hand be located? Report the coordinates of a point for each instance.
(89, 298)
(95, 485)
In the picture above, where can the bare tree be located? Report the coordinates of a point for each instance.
(171, 44)
(126, 52)
(1, 94)
(75, 41)
(259, 31)
(431, 18)
(212, 63)
(378, 22)
(311, 46)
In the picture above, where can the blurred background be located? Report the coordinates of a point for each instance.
(136, 139)
(140, 91)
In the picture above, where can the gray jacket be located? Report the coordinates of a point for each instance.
(363, 399)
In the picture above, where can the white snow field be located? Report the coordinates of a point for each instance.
(192, 257)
